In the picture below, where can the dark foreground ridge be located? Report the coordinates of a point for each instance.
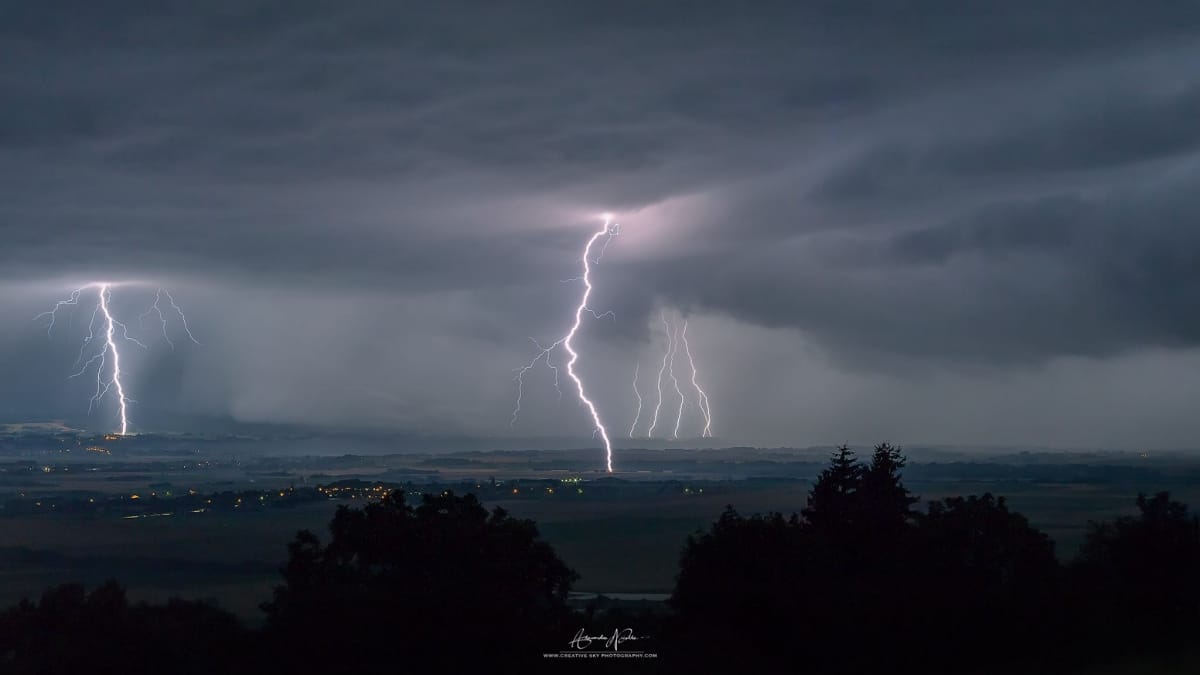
(858, 582)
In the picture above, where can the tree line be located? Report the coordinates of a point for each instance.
(860, 580)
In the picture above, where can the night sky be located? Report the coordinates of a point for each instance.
(935, 222)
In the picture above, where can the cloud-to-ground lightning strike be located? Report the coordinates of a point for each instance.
(676, 336)
(638, 414)
(701, 396)
(110, 346)
(607, 232)
(108, 359)
(662, 369)
(675, 381)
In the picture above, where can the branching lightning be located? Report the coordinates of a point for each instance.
(701, 396)
(156, 309)
(675, 381)
(638, 415)
(607, 232)
(107, 359)
(662, 369)
(543, 354)
(676, 336)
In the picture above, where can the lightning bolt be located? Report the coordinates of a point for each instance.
(110, 346)
(662, 369)
(107, 359)
(607, 232)
(53, 313)
(156, 309)
(675, 381)
(701, 396)
(542, 355)
(637, 393)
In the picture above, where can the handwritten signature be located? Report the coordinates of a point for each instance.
(619, 636)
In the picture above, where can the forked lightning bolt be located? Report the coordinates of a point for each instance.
(701, 396)
(156, 309)
(675, 381)
(638, 394)
(607, 232)
(662, 369)
(107, 359)
(675, 336)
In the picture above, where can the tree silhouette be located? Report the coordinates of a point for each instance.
(750, 584)
(984, 576)
(739, 592)
(977, 541)
(397, 584)
(864, 581)
(833, 501)
(72, 631)
(886, 503)
(1143, 572)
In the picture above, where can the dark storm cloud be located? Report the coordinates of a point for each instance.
(1134, 258)
(1104, 130)
(973, 182)
(1011, 281)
